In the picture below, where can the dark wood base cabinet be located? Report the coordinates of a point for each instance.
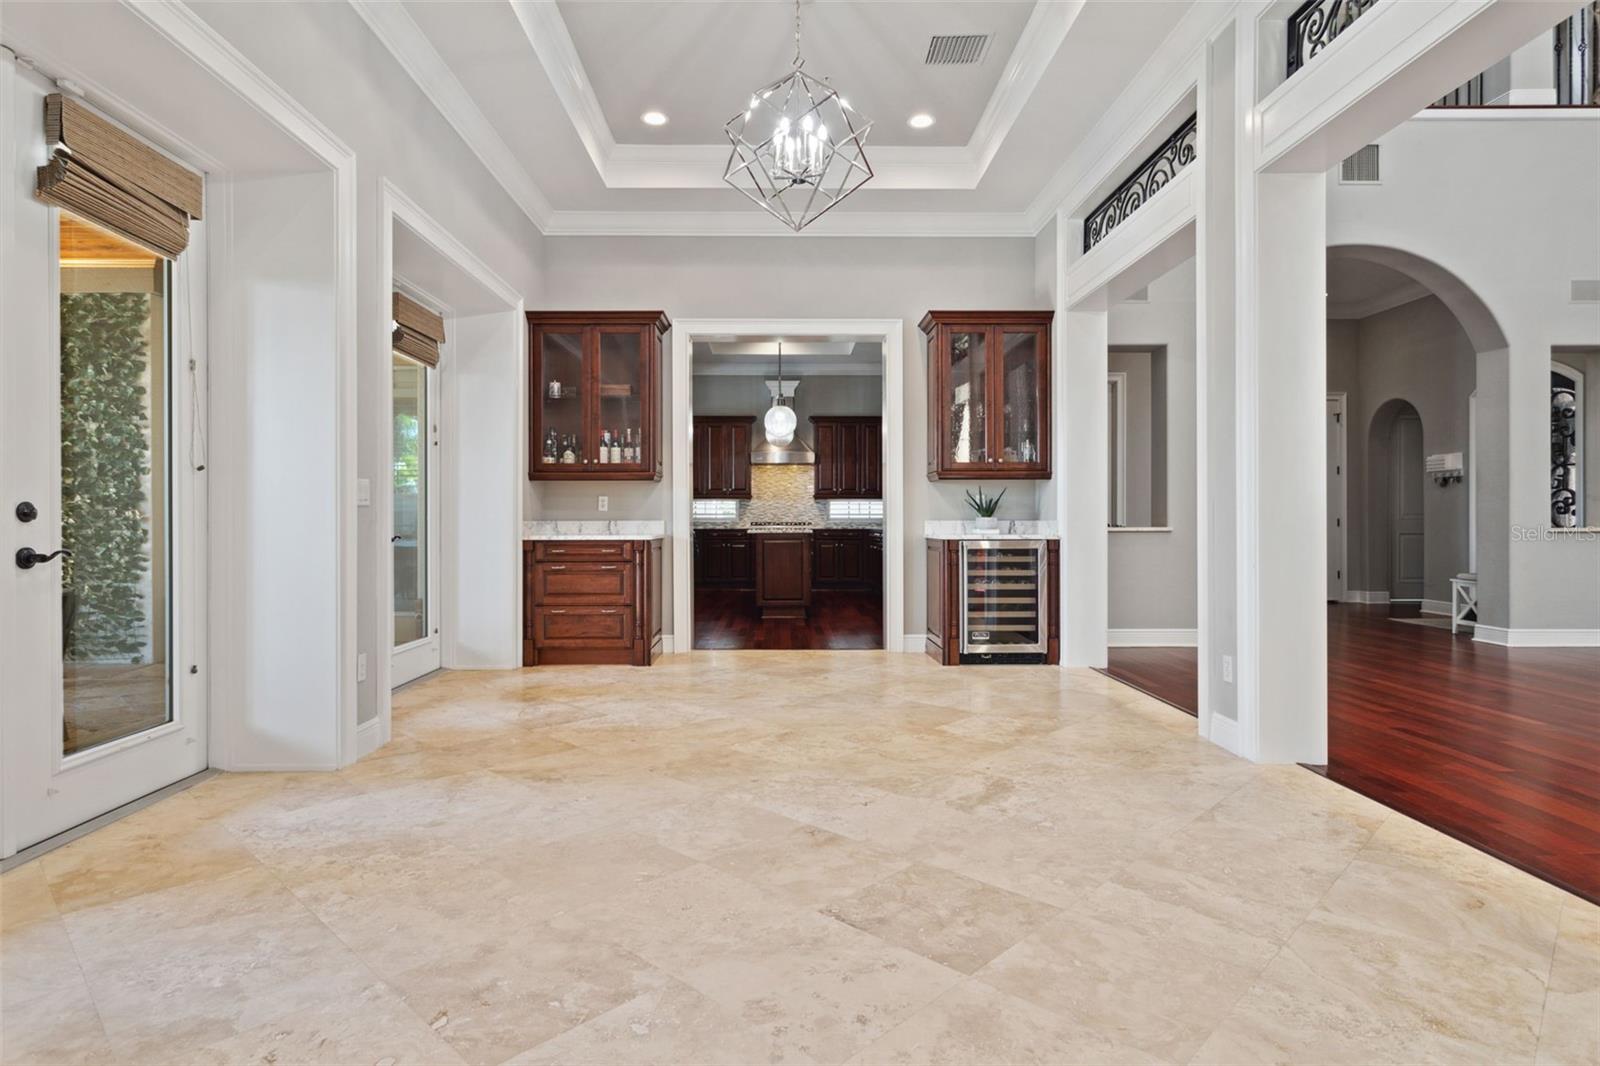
(591, 602)
(724, 559)
(783, 575)
(944, 602)
(849, 559)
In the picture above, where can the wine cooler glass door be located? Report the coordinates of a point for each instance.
(1003, 585)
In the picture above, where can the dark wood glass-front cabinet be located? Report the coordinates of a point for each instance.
(594, 395)
(849, 457)
(988, 394)
(722, 457)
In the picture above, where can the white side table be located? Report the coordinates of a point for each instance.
(1463, 599)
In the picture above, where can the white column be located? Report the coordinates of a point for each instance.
(1283, 645)
(1082, 452)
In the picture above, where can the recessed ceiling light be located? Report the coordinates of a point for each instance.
(653, 118)
(920, 121)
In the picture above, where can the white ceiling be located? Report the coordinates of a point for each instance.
(758, 357)
(698, 60)
(1358, 288)
(549, 95)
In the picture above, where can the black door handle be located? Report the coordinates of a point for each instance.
(27, 558)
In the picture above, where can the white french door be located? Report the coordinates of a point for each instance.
(414, 500)
(102, 619)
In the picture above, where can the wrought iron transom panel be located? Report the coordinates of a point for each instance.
(1316, 23)
(1175, 153)
(1564, 473)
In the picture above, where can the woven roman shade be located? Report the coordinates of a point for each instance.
(418, 332)
(112, 178)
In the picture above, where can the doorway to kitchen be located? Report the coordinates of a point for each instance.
(788, 485)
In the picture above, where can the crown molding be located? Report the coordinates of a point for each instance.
(404, 39)
(1041, 39)
(759, 224)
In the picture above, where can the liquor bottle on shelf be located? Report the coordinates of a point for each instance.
(551, 447)
(617, 452)
(630, 454)
(569, 453)
(605, 446)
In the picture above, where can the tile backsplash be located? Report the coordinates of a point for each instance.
(783, 494)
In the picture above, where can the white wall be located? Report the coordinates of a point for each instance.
(1526, 183)
(328, 60)
(1152, 576)
(794, 277)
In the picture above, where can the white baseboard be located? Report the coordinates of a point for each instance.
(668, 645)
(1225, 733)
(1537, 638)
(1153, 638)
(369, 737)
(1366, 596)
(1436, 607)
(914, 643)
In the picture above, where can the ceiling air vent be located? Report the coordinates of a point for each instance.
(1361, 168)
(954, 50)
(1586, 290)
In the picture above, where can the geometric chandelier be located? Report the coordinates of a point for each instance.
(798, 147)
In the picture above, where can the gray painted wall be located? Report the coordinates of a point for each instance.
(833, 394)
(1138, 445)
(790, 277)
(1419, 353)
(1152, 577)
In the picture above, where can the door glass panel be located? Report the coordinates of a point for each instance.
(116, 615)
(968, 428)
(621, 425)
(1020, 434)
(561, 398)
(410, 543)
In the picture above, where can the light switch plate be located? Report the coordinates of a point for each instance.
(605, 503)
(361, 667)
(363, 492)
(1227, 669)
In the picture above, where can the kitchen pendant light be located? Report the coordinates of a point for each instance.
(798, 147)
(780, 421)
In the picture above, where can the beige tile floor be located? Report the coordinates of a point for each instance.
(750, 857)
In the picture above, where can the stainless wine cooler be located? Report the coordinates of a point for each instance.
(1003, 601)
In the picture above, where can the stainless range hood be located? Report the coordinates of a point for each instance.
(795, 453)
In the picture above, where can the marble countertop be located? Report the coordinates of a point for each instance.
(591, 530)
(1009, 529)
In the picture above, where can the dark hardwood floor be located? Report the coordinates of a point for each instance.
(1171, 675)
(1497, 747)
(729, 619)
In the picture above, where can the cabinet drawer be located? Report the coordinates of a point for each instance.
(583, 627)
(604, 584)
(560, 550)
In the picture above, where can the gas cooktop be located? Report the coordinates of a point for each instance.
(779, 527)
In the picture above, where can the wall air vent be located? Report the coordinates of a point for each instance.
(1586, 290)
(955, 50)
(1361, 168)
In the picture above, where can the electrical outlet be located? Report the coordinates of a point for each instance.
(361, 667)
(605, 503)
(1227, 669)
(363, 492)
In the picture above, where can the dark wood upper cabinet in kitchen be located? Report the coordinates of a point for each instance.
(988, 394)
(849, 457)
(594, 395)
(722, 456)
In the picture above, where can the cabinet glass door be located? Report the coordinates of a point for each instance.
(1022, 398)
(620, 427)
(967, 432)
(563, 441)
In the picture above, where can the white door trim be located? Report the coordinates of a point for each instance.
(681, 472)
(1119, 381)
(398, 208)
(1341, 401)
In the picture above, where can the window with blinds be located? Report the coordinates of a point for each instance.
(418, 332)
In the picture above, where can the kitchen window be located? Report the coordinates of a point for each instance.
(857, 509)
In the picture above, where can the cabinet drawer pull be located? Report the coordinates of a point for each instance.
(609, 567)
(609, 610)
(558, 610)
(556, 567)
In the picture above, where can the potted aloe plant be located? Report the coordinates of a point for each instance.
(985, 506)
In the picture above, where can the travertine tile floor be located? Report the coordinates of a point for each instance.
(754, 857)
